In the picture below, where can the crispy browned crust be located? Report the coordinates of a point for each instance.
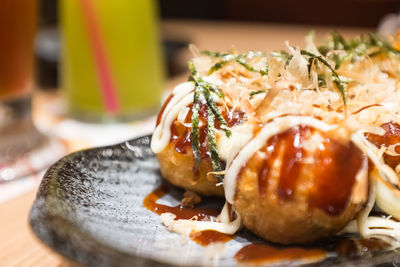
(286, 222)
(177, 168)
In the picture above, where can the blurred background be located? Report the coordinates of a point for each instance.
(253, 13)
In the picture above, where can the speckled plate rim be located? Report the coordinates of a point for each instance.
(67, 239)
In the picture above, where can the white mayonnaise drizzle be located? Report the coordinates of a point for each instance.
(221, 224)
(275, 127)
(182, 97)
(228, 147)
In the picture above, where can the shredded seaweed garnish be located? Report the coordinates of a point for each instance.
(195, 133)
(212, 145)
(206, 89)
(382, 45)
(335, 76)
(257, 92)
(366, 45)
(321, 80)
(336, 52)
(214, 54)
(239, 58)
(217, 66)
(213, 107)
(282, 55)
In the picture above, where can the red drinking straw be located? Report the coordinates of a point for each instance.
(102, 65)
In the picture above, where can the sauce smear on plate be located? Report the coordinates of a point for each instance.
(261, 253)
(208, 237)
(150, 203)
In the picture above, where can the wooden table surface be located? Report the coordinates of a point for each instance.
(19, 247)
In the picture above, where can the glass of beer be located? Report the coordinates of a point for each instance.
(17, 30)
(111, 68)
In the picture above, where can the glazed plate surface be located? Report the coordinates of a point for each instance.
(89, 209)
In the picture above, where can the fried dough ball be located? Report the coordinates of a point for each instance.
(301, 186)
(177, 161)
(177, 168)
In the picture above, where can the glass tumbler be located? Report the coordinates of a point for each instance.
(17, 30)
(111, 67)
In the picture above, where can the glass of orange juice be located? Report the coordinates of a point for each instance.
(17, 30)
(111, 66)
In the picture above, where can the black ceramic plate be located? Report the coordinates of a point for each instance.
(89, 209)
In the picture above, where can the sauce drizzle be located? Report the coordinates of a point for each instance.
(203, 238)
(150, 203)
(260, 253)
(159, 116)
(336, 166)
(352, 247)
(180, 135)
(290, 142)
(369, 106)
(265, 169)
(291, 162)
(391, 137)
(208, 237)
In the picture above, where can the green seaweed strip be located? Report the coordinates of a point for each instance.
(249, 67)
(217, 66)
(192, 68)
(196, 78)
(217, 113)
(257, 92)
(338, 41)
(212, 88)
(214, 54)
(195, 133)
(212, 145)
(374, 40)
(238, 58)
(336, 78)
(205, 89)
(285, 56)
(356, 47)
(309, 66)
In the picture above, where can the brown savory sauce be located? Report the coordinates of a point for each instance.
(363, 108)
(267, 254)
(163, 108)
(233, 117)
(291, 162)
(259, 253)
(180, 135)
(203, 238)
(291, 143)
(337, 164)
(391, 137)
(265, 169)
(336, 168)
(208, 237)
(351, 247)
(150, 202)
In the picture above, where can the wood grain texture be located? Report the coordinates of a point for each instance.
(18, 246)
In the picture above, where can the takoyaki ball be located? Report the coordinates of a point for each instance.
(177, 163)
(178, 169)
(301, 186)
